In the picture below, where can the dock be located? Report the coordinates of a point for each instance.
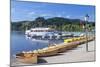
(78, 54)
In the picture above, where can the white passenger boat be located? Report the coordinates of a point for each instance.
(43, 32)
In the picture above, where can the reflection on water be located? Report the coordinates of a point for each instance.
(20, 43)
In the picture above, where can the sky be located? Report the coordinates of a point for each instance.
(22, 11)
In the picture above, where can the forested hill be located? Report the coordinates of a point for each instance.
(58, 23)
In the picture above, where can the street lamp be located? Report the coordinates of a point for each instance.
(86, 18)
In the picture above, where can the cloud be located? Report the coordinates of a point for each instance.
(41, 14)
(34, 14)
(68, 16)
(31, 13)
(59, 15)
(44, 15)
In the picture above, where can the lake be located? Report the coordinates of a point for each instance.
(20, 43)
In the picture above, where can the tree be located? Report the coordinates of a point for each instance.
(40, 21)
(58, 23)
(25, 26)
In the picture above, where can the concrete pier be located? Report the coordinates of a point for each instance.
(78, 54)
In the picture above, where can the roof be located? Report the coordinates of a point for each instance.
(41, 28)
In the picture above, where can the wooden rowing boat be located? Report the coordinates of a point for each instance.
(50, 51)
(31, 57)
(27, 58)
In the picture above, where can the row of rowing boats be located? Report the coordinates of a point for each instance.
(53, 50)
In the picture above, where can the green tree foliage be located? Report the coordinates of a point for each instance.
(40, 21)
(58, 23)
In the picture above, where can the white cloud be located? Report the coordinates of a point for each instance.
(31, 13)
(59, 15)
(46, 15)
(67, 16)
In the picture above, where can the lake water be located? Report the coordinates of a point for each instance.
(20, 43)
